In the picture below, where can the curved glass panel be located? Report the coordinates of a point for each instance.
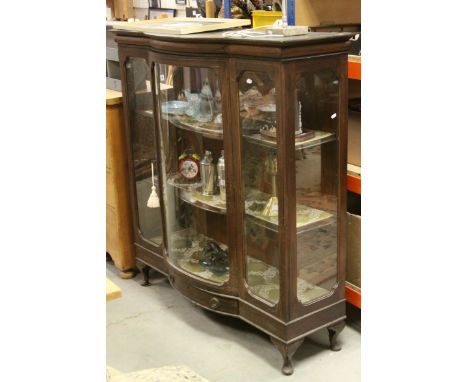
(191, 124)
(140, 108)
(316, 105)
(257, 100)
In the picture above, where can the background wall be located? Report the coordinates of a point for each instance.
(141, 7)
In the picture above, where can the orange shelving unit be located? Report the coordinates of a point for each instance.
(353, 293)
(354, 67)
(354, 183)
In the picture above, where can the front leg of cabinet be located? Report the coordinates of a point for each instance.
(333, 332)
(287, 351)
(145, 270)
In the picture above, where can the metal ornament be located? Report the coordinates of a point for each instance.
(221, 177)
(207, 174)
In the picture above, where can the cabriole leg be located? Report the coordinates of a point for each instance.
(145, 270)
(287, 351)
(333, 332)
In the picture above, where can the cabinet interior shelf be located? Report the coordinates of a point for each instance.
(307, 218)
(319, 138)
(187, 246)
(206, 129)
(263, 280)
(146, 113)
(191, 193)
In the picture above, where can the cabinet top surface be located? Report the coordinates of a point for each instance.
(311, 38)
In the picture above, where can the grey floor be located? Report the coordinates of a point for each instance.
(155, 326)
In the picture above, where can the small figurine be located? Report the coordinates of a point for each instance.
(214, 257)
(206, 103)
(271, 168)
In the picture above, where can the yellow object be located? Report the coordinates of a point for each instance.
(263, 18)
(209, 8)
(112, 290)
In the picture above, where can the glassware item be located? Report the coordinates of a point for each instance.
(206, 103)
(241, 101)
(221, 177)
(298, 127)
(193, 104)
(272, 95)
(218, 100)
(219, 119)
(207, 174)
(252, 99)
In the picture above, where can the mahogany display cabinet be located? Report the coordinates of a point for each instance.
(237, 168)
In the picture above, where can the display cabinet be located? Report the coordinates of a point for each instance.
(238, 174)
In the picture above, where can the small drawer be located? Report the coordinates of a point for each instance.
(205, 298)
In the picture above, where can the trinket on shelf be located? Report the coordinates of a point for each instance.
(221, 177)
(207, 174)
(271, 169)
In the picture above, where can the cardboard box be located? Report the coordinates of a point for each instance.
(326, 12)
(353, 258)
(123, 9)
(354, 138)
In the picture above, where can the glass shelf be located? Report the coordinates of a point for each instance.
(147, 113)
(187, 248)
(263, 280)
(191, 193)
(206, 129)
(307, 218)
(319, 138)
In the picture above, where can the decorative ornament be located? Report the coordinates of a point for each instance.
(189, 166)
(153, 201)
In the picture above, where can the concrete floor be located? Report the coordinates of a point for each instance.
(156, 326)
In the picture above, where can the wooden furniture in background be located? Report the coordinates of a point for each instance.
(118, 214)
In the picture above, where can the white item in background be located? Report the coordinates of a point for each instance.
(284, 9)
(288, 30)
(153, 201)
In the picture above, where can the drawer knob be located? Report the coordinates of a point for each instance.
(214, 303)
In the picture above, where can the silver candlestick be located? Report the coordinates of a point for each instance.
(221, 177)
(207, 174)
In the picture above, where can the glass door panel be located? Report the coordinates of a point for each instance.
(194, 180)
(316, 104)
(257, 100)
(140, 108)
